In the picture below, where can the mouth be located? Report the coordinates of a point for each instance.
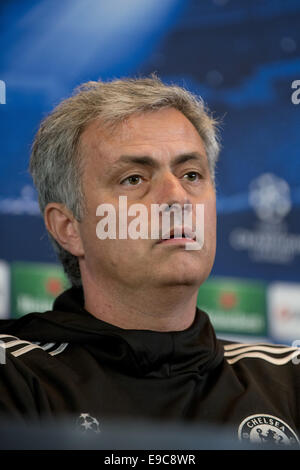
(178, 236)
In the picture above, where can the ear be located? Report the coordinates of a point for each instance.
(62, 225)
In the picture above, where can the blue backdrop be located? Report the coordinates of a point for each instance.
(240, 56)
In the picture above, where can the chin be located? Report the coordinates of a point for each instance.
(178, 277)
(189, 271)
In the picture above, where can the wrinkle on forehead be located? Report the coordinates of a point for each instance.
(139, 131)
(143, 124)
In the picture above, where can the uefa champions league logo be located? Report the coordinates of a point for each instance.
(270, 197)
(270, 240)
(87, 423)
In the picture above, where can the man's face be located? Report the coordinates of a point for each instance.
(153, 158)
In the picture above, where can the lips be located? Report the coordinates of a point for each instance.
(177, 234)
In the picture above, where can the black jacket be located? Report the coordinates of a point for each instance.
(66, 362)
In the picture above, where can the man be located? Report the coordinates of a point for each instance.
(127, 341)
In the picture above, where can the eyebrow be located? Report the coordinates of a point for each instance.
(185, 157)
(152, 163)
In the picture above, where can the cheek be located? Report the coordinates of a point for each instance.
(210, 210)
(211, 219)
(88, 233)
(210, 224)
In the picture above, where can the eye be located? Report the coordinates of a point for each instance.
(192, 176)
(132, 180)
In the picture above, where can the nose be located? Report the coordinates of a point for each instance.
(171, 191)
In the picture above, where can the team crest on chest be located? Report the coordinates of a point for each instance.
(268, 430)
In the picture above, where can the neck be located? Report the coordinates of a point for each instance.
(167, 308)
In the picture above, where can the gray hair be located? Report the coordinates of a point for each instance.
(56, 161)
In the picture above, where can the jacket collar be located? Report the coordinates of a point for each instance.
(137, 352)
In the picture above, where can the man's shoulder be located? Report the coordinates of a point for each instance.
(264, 362)
(276, 354)
(27, 335)
(15, 346)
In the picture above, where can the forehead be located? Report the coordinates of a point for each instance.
(157, 133)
